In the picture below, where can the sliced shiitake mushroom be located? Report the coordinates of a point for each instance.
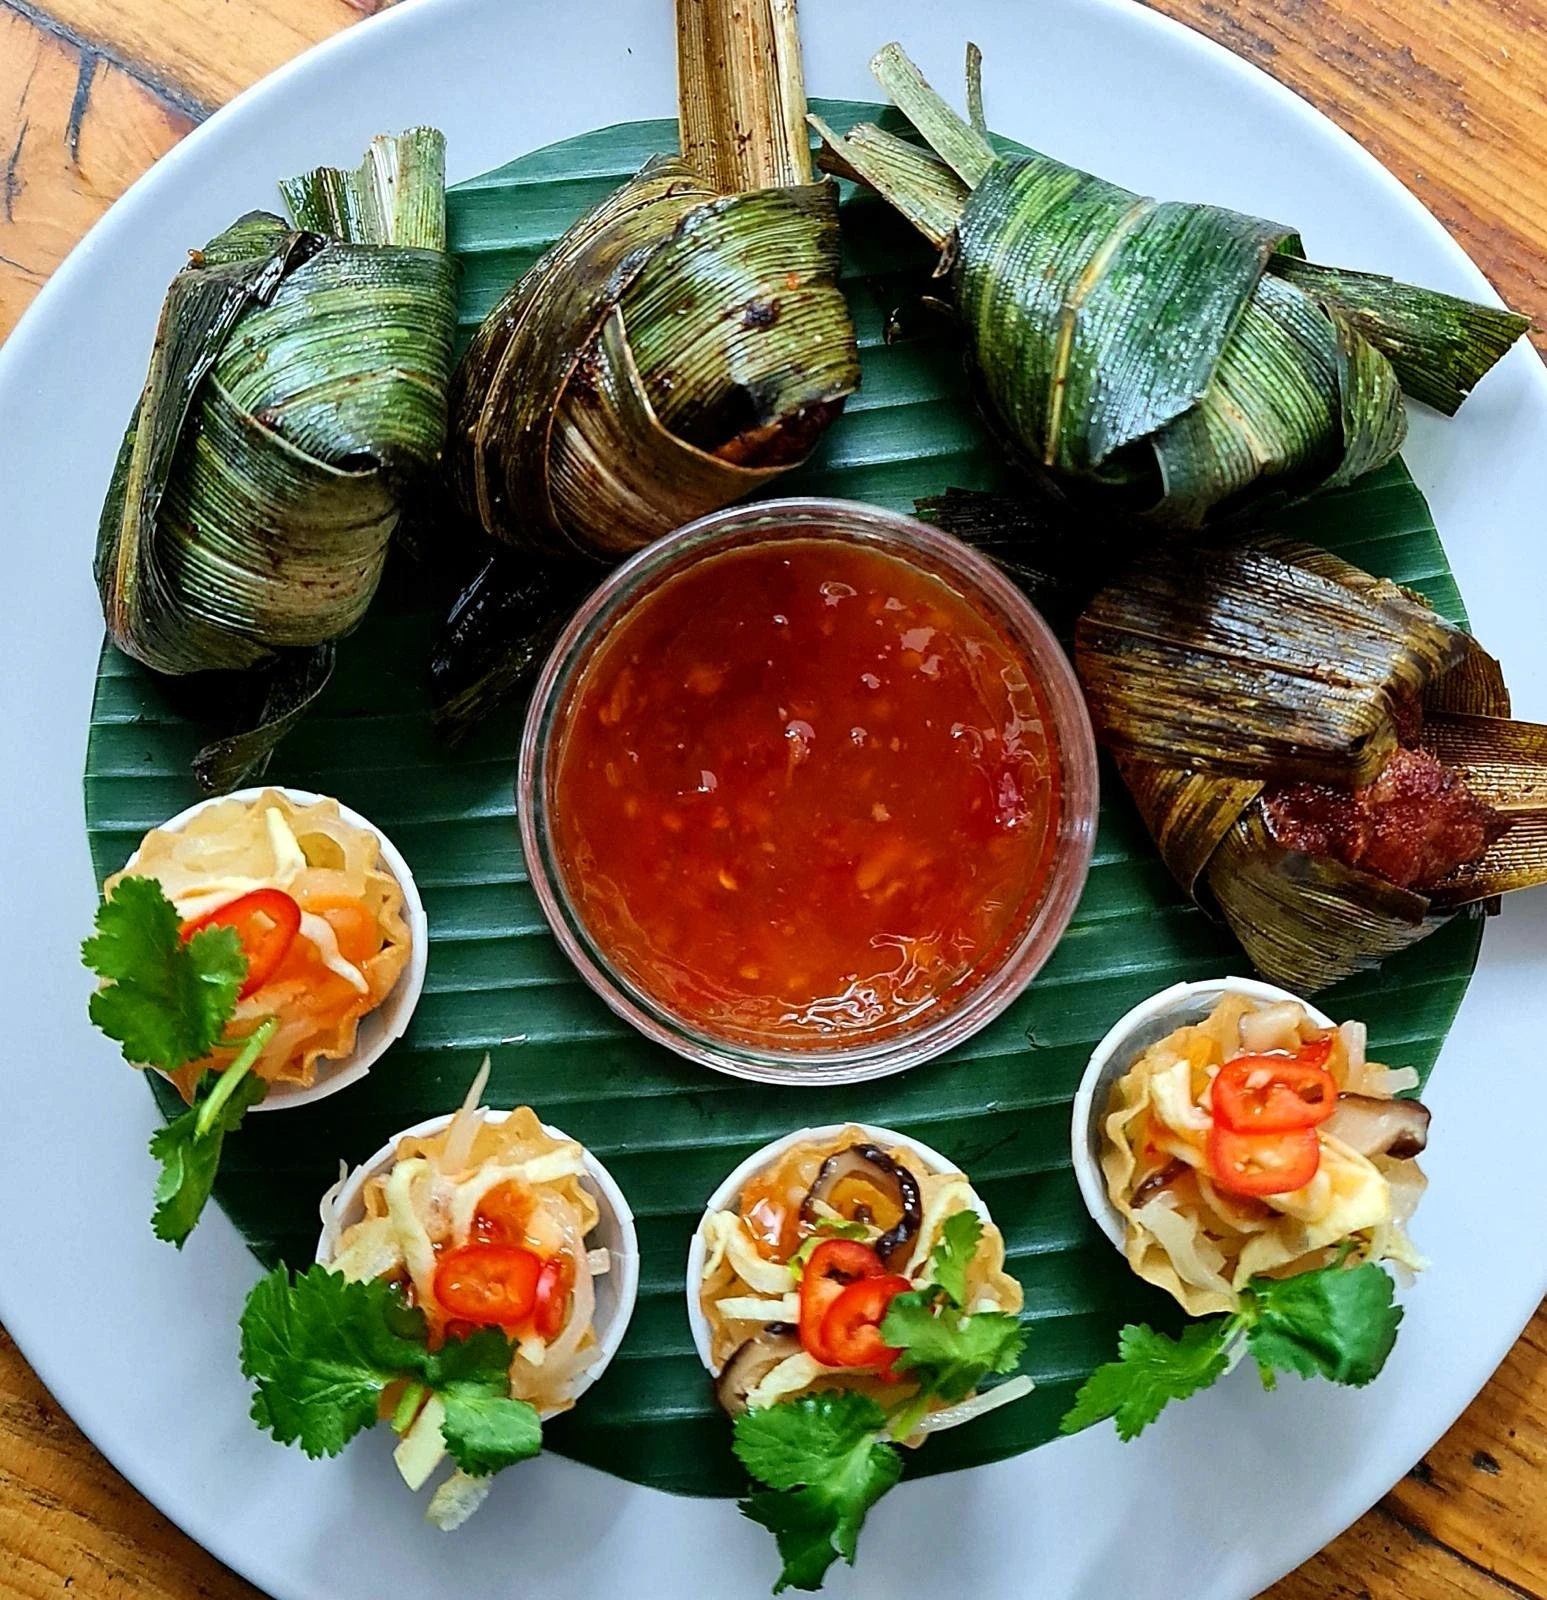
(866, 1166)
(1375, 1127)
(1152, 1185)
(752, 1361)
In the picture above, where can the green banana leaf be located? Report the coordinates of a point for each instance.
(999, 1105)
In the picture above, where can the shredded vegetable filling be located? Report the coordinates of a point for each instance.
(352, 941)
(841, 1193)
(485, 1224)
(1228, 1159)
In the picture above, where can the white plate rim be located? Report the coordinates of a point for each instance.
(1496, 1013)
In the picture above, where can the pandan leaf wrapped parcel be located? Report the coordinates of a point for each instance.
(1320, 758)
(1182, 364)
(297, 390)
(686, 341)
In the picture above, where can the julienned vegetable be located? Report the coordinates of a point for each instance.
(239, 951)
(480, 1227)
(681, 346)
(1180, 363)
(1320, 757)
(321, 920)
(855, 1299)
(1256, 1185)
(1226, 1149)
(296, 389)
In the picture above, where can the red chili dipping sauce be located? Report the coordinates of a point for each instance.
(805, 790)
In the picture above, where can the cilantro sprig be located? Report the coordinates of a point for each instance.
(825, 1458)
(825, 1461)
(167, 1001)
(1336, 1321)
(827, 1228)
(323, 1350)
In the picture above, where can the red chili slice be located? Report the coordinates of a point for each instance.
(1274, 1093)
(851, 1325)
(552, 1300)
(266, 923)
(492, 1285)
(1263, 1163)
(834, 1265)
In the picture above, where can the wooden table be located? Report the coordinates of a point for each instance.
(1450, 94)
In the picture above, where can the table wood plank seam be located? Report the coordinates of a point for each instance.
(1414, 1527)
(91, 52)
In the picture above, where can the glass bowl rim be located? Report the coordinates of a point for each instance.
(939, 554)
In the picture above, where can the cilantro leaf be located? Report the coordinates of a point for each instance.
(1151, 1370)
(484, 1428)
(827, 1228)
(322, 1350)
(189, 1159)
(481, 1360)
(952, 1256)
(946, 1352)
(167, 1000)
(796, 1441)
(826, 1466)
(485, 1432)
(1337, 1321)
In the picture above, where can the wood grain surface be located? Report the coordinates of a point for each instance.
(1451, 95)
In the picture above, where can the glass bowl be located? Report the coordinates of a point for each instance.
(977, 581)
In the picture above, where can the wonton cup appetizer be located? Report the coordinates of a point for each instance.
(473, 1245)
(242, 945)
(1255, 1143)
(848, 1290)
(1264, 1169)
(320, 919)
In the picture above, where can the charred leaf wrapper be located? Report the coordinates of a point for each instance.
(679, 347)
(297, 389)
(1217, 677)
(686, 341)
(1179, 363)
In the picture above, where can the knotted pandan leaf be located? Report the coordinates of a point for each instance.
(1182, 363)
(1214, 674)
(681, 346)
(675, 350)
(297, 388)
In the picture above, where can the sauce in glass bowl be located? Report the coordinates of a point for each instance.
(805, 790)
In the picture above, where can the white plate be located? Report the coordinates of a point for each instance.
(1226, 1492)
